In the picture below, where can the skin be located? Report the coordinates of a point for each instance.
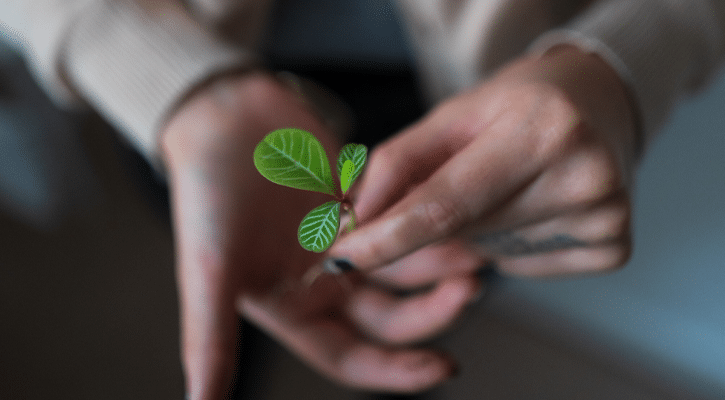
(237, 254)
(540, 152)
(530, 170)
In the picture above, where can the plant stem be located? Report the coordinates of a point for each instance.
(351, 224)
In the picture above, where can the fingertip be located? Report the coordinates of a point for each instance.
(403, 371)
(210, 375)
(429, 369)
(415, 222)
(372, 246)
(414, 318)
(209, 344)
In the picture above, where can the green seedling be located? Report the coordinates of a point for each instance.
(295, 158)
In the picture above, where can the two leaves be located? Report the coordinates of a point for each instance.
(295, 158)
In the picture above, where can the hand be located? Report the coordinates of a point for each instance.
(237, 253)
(529, 169)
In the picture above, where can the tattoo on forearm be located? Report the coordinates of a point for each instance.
(509, 244)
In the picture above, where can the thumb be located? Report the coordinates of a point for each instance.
(474, 182)
(400, 163)
(424, 216)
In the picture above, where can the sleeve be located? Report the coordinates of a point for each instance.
(132, 60)
(663, 49)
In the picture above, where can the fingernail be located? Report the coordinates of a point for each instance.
(338, 266)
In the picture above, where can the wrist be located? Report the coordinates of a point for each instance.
(598, 92)
(213, 114)
(583, 74)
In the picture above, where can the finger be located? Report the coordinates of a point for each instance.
(410, 319)
(598, 239)
(579, 260)
(206, 292)
(429, 265)
(209, 333)
(401, 163)
(593, 225)
(474, 182)
(585, 178)
(329, 344)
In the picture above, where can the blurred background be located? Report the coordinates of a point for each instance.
(88, 304)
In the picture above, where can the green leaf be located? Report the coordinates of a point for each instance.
(295, 158)
(318, 229)
(346, 175)
(358, 154)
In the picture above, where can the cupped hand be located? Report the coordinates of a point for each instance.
(237, 253)
(529, 169)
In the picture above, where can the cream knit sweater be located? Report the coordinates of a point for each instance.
(133, 60)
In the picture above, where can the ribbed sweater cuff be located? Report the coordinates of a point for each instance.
(660, 49)
(134, 65)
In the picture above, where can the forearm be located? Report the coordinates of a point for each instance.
(137, 62)
(131, 60)
(37, 29)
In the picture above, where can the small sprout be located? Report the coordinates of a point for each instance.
(295, 158)
(358, 154)
(346, 175)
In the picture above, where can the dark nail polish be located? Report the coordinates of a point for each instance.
(338, 266)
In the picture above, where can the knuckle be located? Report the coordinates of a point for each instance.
(441, 216)
(609, 221)
(619, 221)
(262, 87)
(594, 177)
(562, 126)
(570, 144)
(615, 257)
(381, 157)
